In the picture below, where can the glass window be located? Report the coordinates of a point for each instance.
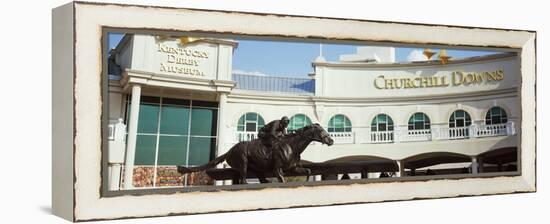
(174, 119)
(145, 150)
(460, 118)
(172, 150)
(240, 124)
(251, 127)
(496, 115)
(250, 122)
(419, 121)
(187, 133)
(201, 150)
(298, 121)
(203, 121)
(148, 118)
(339, 123)
(382, 122)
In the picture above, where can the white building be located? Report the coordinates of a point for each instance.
(454, 117)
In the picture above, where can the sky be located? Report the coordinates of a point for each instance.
(293, 59)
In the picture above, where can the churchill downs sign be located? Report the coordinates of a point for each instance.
(457, 78)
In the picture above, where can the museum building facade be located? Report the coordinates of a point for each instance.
(461, 116)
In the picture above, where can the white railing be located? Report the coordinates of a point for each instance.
(343, 137)
(414, 135)
(457, 133)
(381, 137)
(246, 136)
(494, 130)
(404, 135)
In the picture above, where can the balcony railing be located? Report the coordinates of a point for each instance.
(494, 130)
(404, 135)
(343, 137)
(414, 135)
(381, 137)
(246, 136)
(275, 84)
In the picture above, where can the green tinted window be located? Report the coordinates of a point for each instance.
(382, 122)
(200, 150)
(240, 124)
(496, 115)
(419, 121)
(174, 120)
(261, 122)
(145, 149)
(298, 121)
(148, 118)
(172, 150)
(251, 127)
(251, 117)
(203, 121)
(251, 122)
(177, 122)
(339, 123)
(460, 118)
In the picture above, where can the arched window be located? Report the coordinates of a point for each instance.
(250, 122)
(496, 115)
(419, 121)
(382, 122)
(298, 121)
(459, 119)
(339, 123)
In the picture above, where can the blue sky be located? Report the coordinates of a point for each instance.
(293, 59)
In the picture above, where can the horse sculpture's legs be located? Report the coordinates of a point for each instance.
(301, 170)
(278, 165)
(279, 174)
(243, 170)
(261, 177)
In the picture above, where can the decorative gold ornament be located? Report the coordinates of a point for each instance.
(443, 56)
(186, 40)
(428, 53)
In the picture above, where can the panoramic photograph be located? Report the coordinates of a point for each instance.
(197, 110)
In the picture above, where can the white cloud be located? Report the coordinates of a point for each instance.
(416, 55)
(241, 72)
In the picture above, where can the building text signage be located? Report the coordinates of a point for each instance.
(184, 61)
(457, 78)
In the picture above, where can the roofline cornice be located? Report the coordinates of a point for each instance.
(488, 58)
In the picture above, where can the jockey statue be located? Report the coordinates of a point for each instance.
(273, 131)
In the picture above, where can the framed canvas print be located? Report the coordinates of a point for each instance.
(156, 116)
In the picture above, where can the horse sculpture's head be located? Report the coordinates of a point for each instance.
(319, 134)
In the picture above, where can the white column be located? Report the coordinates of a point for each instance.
(397, 133)
(510, 128)
(221, 123)
(472, 130)
(474, 165)
(221, 132)
(132, 137)
(114, 177)
(401, 172)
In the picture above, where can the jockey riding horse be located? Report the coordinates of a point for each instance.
(271, 133)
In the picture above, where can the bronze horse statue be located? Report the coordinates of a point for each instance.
(253, 156)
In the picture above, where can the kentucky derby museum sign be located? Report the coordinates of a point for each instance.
(185, 57)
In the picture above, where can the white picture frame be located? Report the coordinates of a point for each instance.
(78, 29)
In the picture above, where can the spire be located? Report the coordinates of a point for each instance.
(320, 58)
